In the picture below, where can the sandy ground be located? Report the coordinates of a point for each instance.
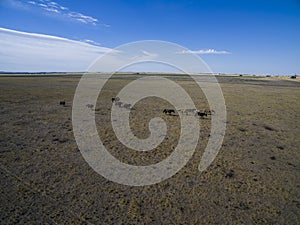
(253, 180)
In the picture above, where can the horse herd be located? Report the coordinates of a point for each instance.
(171, 112)
(117, 102)
(195, 112)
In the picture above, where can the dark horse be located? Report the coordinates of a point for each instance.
(201, 114)
(63, 103)
(116, 99)
(168, 111)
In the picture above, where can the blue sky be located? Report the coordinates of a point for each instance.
(260, 37)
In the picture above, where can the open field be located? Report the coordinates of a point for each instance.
(253, 180)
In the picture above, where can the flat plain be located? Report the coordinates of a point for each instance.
(253, 180)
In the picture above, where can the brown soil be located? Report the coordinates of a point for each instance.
(253, 180)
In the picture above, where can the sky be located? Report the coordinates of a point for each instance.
(248, 37)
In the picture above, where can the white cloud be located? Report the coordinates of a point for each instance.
(21, 51)
(145, 55)
(31, 52)
(91, 42)
(43, 5)
(149, 54)
(51, 10)
(205, 51)
(55, 8)
(82, 18)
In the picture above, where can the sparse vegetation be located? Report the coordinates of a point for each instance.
(252, 180)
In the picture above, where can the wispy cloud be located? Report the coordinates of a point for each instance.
(21, 51)
(145, 55)
(205, 51)
(51, 7)
(149, 54)
(91, 42)
(33, 52)
(82, 18)
(54, 7)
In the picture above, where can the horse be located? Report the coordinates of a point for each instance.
(201, 114)
(127, 106)
(168, 111)
(116, 99)
(210, 112)
(187, 111)
(90, 106)
(119, 104)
